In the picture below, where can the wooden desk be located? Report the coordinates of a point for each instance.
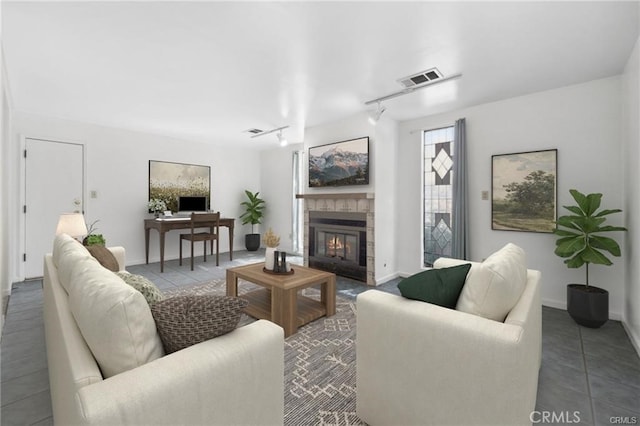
(163, 226)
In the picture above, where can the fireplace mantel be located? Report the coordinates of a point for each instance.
(338, 196)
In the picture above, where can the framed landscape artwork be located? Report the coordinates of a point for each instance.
(168, 181)
(339, 164)
(524, 191)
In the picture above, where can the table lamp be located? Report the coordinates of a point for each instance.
(72, 224)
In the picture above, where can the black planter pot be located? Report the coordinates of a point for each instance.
(588, 306)
(252, 242)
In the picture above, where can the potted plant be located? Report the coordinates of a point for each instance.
(93, 239)
(581, 243)
(272, 241)
(253, 208)
(157, 206)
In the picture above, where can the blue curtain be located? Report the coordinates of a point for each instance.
(460, 236)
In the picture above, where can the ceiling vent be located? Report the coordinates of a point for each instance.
(420, 78)
(254, 131)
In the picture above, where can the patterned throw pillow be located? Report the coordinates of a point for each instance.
(143, 285)
(183, 321)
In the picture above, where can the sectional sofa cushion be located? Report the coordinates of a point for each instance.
(113, 317)
(437, 286)
(66, 253)
(494, 286)
(104, 256)
(183, 321)
(151, 293)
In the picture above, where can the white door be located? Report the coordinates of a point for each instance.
(53, 185)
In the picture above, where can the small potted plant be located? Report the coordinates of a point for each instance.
(581, 243)
(93, 239)
(157, 206)
(253, 211)
(272, 241)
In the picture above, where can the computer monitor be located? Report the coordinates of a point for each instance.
(192, 204)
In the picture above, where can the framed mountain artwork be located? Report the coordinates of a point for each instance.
(339, 164)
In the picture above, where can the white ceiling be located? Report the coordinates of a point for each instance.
(208, 71)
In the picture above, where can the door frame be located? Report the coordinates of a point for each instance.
(22, 222)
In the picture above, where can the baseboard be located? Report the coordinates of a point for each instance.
(554, 304)
(633, 336)
(617, 316)
(387, 278)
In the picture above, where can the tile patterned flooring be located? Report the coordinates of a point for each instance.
(588, 376)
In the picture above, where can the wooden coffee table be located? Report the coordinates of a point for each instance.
(279, 300)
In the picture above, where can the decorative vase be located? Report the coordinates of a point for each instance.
(588, 306)
(268, 258)
(156, 214)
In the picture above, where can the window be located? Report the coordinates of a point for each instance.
(437, 198)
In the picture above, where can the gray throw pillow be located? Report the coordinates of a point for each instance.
(148, 289)
(183, 321)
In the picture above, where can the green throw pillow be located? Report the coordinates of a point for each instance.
(143, 285)
(438, 286)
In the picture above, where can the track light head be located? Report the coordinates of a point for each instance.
(283, 141)
(375, 115)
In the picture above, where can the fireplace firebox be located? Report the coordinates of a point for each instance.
(338, 243)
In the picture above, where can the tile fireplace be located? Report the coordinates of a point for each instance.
(339, 234)
(338, 243)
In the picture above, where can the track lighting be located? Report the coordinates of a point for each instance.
(281, 138)
(283, 141)
(375, 115)
(408, 90)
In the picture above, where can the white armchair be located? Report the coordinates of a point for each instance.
(419, 363)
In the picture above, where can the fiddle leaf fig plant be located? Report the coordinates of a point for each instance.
(253, 209)
(581, 241)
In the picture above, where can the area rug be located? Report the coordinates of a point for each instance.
(320, 362)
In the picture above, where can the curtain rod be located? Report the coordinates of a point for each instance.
(411, 132)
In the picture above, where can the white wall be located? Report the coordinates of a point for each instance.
(5, 123)
(117, 168)
(583, 122)
(5, 179)
(385, 171)
(276, 176)
(631, 130)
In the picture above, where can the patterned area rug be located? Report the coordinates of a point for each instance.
(320, 362)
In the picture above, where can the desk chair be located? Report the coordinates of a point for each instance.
(201, 220)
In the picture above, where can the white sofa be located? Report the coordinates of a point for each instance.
(421, 364)
(234, 379)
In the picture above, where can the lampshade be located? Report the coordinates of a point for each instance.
(72, 224)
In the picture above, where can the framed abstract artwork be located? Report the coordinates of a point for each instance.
(168, 181)
(524, 191)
